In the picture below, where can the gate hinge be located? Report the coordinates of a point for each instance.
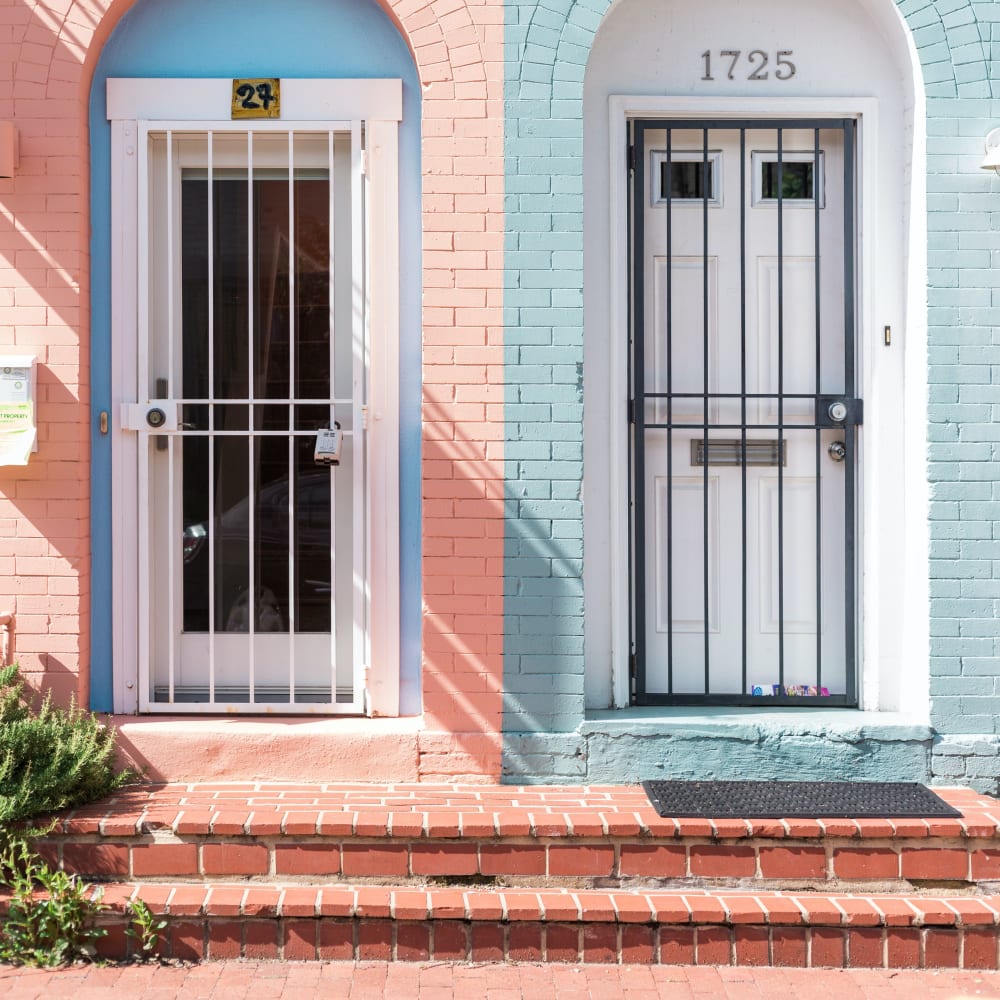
(631, 673)
(630, 157)
(364, 163)
(631, 411)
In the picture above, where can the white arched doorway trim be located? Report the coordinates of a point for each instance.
(624, 108)
(893, 587)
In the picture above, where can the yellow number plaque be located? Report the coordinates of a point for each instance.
(256, 98)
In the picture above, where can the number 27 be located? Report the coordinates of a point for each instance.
(262, 91)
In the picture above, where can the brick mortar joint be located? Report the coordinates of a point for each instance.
(262, 916)
(967, 842)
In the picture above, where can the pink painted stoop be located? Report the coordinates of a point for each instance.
(562, 874)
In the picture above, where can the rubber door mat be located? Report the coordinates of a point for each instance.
(808, 799)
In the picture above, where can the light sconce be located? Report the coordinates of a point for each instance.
(991, 161)
(9, 154)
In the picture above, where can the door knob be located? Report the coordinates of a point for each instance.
(837, 451)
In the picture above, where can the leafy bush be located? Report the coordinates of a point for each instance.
(50, 915)
(50, 758)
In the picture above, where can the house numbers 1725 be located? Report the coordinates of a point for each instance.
(755, 64)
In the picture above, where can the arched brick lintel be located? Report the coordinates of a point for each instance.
(943, 43)
(76, 30)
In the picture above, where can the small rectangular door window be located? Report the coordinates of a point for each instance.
(689, 176)
(798, 175)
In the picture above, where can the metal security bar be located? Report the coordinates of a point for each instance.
(253, 305)
(743, 412)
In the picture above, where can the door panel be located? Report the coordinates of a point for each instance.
(677, 364)
(743, 537)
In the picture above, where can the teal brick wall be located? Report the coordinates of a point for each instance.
(547, 43)
(964, 404)
(543, 344)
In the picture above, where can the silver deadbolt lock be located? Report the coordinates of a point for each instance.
(837, 451)
(155, 417)
(837, 411)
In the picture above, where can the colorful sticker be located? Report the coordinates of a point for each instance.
(789, 691)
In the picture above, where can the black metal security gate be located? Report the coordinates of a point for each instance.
(743, 412)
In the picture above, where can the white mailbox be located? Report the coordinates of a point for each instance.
(18, 435)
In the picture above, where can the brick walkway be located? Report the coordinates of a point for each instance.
(454, 981)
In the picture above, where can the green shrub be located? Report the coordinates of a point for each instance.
(50, 916)
(50, 758)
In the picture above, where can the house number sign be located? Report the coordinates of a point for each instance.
(755, 64)
(259, 98)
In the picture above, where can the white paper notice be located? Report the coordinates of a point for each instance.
(15, 384)
(17, 433)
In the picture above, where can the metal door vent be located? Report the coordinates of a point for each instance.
(735, 451)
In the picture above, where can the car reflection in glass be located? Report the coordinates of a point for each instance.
(270, 611)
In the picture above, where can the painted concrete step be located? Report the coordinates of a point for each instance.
(297, 922)
(556, 836)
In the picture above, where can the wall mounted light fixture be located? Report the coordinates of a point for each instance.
(991, 161)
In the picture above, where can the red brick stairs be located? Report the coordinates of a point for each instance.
(559, 874)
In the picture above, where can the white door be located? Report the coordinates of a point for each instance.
(255, 303)
(743, 540)
(255, 553)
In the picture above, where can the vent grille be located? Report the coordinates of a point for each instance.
(735, 451)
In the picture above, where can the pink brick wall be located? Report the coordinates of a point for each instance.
(47, 54)
(459, 49)
(44, 305)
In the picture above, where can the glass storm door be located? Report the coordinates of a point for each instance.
(252, 338)
(744, 417)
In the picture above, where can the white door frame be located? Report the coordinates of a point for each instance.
(205, 103)
(872, 507)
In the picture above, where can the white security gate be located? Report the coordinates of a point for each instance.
(744, 417)
(252, 296)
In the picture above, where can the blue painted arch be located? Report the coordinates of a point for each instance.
(255, 38)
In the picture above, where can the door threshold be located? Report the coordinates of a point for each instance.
(752, 721)
(274, 748)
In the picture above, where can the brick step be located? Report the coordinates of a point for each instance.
(557, 836)
(297, 922)
(577, 862)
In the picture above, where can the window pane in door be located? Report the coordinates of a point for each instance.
(796, 180)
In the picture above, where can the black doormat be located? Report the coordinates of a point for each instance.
(786, 799)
